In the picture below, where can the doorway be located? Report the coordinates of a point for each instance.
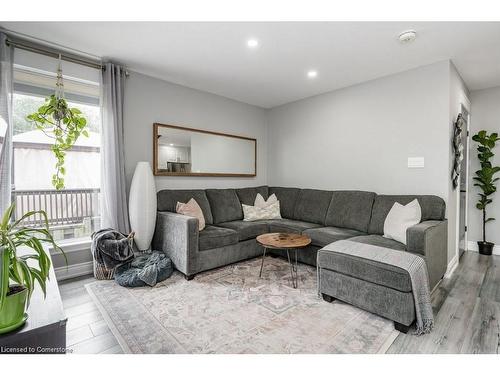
(464, 183)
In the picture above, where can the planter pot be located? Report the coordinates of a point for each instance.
(485, 248)
(12, 313)
(142, 205)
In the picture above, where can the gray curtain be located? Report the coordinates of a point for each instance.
(6, 131)
(114, 211)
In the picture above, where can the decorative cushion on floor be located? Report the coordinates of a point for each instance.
(147, 269)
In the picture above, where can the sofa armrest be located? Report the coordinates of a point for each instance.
(177, 236)
(430, 239)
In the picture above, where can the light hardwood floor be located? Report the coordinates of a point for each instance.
(466, 310)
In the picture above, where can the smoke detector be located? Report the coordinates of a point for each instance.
(407, 36)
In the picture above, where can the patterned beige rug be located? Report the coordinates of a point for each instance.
(232, 310)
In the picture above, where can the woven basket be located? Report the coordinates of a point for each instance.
(102, 273)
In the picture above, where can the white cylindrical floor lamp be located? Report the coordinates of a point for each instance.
(142, 205)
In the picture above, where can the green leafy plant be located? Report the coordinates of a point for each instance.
(64, 125)
(485, 177)
(32, 267)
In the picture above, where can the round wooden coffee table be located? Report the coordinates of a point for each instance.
(284, 241)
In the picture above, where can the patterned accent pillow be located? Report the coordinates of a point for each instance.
(253, 213)
(262, 203)
(193, 209)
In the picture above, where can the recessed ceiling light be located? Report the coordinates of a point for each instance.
(312, 74)
(171, 144)
(252, 43)
(407, 36)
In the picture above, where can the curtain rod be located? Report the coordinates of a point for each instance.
(31, 47)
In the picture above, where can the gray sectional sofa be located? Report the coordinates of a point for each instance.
(325, 216)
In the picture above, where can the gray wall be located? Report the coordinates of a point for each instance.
(485, 115)
(360, 137)
(149, 100)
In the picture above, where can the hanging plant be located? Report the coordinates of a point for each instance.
(61, 123)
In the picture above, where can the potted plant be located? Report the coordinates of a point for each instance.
(20, 272)
(486, 181)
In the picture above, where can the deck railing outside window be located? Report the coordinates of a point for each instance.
(70, 212)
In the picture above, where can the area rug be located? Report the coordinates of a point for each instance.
(232, 310)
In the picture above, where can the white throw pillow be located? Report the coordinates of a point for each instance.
(253, 213)
(400, 218)
(262, 203)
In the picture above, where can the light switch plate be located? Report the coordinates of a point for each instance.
(416, 162)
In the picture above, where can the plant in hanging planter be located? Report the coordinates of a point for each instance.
(62, 123)
(20, 271)
(486, 181)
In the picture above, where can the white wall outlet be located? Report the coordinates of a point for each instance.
(416, 162)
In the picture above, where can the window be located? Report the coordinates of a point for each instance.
(74, 211)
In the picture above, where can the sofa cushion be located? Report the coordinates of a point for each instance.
(350, 209)
(213, 236)
(290, 226)
(433, 208)
(246, 229)
(167, 201)
(365, 269)
(247, 195)
(225, 205)
(312, 205)
(288, 198)
(377, 240)
(325, 235)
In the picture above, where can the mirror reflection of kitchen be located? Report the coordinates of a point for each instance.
(191, 151)
(174, 150)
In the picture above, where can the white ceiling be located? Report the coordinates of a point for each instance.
(214, 56)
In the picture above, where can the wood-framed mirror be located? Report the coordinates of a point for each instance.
(182, 151)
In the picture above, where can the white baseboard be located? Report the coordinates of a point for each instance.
(452, 266)
(472, 246)
(74, 270)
